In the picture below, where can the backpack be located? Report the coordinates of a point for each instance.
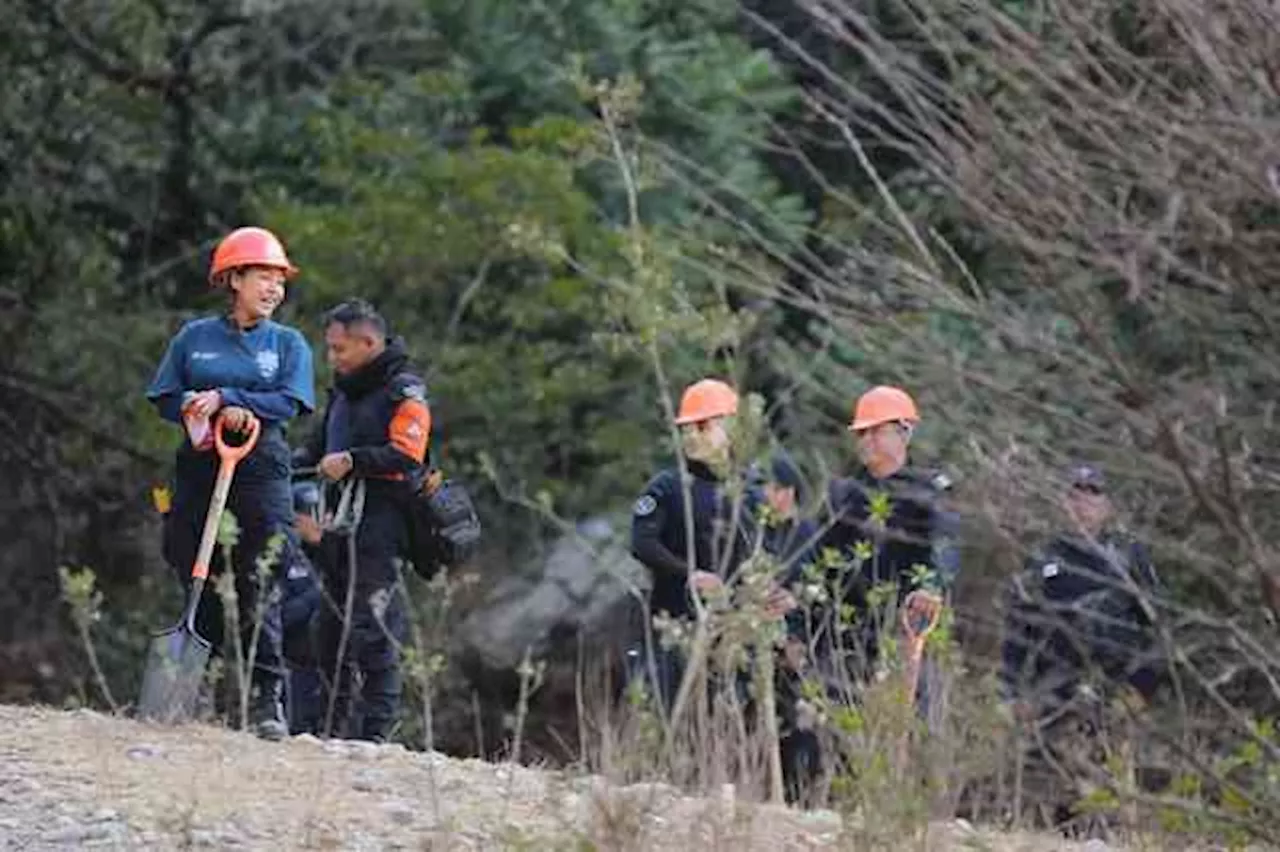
(444, 528)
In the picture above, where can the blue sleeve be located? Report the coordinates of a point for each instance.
(169, 382)
(297, 391)
(271, 406)
(299, 375)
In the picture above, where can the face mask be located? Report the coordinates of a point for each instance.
(708, 444)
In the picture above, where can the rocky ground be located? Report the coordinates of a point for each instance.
(75, 780)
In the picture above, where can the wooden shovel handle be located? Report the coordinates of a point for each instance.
(230, 456)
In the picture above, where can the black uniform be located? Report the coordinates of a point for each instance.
(723, 536)
(1079, 605)
(909, 539)
(379, 414)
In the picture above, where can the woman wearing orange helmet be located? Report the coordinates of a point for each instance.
(237, 367)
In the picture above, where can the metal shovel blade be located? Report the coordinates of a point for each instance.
(176, 661)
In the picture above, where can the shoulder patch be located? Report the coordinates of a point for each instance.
(645, 506)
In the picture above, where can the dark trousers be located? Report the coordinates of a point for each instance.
(304, 691)
(377, 627)
(262, 505)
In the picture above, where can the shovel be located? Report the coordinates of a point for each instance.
(917, 634)
(176, 658)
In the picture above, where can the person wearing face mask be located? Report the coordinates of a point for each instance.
(888, 524)
(701, 556)
(1081, 606)
(236, 367)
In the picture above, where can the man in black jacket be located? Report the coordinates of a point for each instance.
(1078, 635)
(894, 536)
(376, 430)
(1081, 607)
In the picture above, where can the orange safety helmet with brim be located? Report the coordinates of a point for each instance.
(883, 404)
(706, 400)
(250, 247)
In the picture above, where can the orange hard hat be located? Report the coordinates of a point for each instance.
(706, 399)
(883, 404)
(250, 247)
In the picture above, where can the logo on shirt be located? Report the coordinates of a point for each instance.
(268, 363)
(645, 506)
(203, 356)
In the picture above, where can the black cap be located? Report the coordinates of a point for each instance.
(1087, 477)
(784, 472)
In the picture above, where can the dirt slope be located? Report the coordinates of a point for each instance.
(74, 780)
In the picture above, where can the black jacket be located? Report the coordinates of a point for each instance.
(1077, 605)
(359, 415)
(894, 531)
(721, 540)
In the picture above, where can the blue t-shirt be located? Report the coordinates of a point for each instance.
(266, 369)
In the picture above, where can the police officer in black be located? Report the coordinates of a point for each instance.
(1080, 614)
(302, 596)
(723, 525)
(789, 535)
(375, 434)
(889, 527)
(791, 538)
(1078, 636)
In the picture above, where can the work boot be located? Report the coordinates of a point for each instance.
(266, 713)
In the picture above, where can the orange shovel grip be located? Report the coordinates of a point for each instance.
(229, 453)
(910, 628)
